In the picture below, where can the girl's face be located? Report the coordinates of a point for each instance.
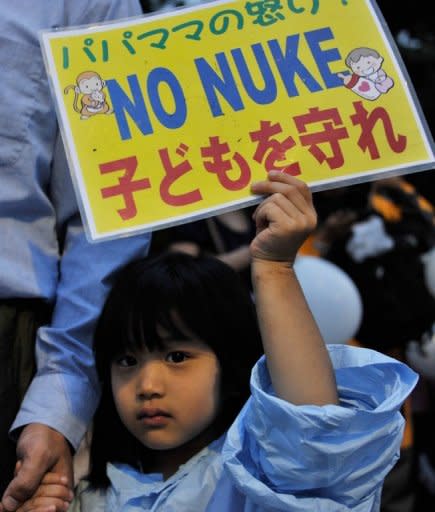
(168, 397)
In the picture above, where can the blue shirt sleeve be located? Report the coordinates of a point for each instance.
(282, 455)
(65, 390)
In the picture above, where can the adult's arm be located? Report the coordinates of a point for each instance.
(61, 400)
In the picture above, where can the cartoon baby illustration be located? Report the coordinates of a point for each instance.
(90, 86)
(368, 79)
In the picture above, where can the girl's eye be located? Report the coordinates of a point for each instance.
(126, 361)
(176, 357)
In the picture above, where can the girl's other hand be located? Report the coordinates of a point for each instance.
(52, 495)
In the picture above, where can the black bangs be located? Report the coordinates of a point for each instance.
(204, 293)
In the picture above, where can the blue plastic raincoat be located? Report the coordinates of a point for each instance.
(280, 457)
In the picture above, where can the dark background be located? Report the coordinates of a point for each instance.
(412, 26)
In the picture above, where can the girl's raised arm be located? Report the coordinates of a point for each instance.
(297, 359)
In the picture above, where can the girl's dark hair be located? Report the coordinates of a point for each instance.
(211, 300)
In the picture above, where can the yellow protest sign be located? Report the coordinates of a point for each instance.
(170, 117)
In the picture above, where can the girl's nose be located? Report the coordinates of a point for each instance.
(150, 383)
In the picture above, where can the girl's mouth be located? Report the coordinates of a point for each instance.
(153, 417)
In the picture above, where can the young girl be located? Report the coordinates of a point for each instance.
(176, 429)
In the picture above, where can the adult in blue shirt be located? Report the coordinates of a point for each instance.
(51, 277)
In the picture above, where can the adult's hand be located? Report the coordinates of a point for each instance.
(39, 449)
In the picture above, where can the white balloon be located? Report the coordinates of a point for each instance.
(421, 357)
(332, 296)
(429, 270)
